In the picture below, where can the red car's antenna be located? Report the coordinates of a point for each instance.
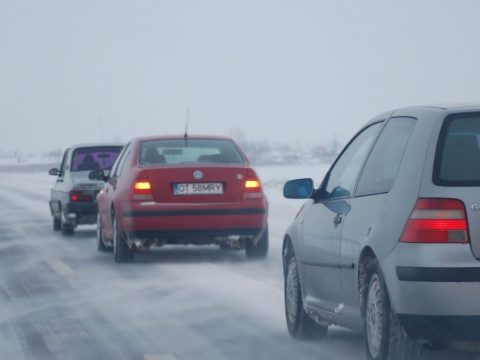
(186, 125)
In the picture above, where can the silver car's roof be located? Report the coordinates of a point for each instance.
(426, 110)
(448, 108)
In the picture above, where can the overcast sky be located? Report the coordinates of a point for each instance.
(296, 71)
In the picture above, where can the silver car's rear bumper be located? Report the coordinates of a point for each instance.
(442, 328)
(433, 279)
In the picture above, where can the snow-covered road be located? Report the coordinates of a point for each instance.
(61, 299)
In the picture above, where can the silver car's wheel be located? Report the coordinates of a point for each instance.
(375, 316)
(385, 336)
(292, 292)
(299, 324)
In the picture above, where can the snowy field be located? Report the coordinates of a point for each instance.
(61, 299)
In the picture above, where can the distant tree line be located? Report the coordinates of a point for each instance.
(264, 152)
(260, 152)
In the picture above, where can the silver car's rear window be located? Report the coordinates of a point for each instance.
(203, 151)
(457, 159)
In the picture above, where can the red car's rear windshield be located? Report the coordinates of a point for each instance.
(94, 158)
(457, 160)
(203, 151)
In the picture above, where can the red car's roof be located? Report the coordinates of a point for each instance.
(181, 137)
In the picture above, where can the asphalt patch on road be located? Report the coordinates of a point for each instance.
(36, 283)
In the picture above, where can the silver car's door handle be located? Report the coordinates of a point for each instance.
(337, 219)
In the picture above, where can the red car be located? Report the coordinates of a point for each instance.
(181, 190)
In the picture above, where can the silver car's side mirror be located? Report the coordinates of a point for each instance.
(298, 189)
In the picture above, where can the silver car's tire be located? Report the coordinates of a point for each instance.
(121, 252)
(299, 324)
(385, 336)
(100, 241)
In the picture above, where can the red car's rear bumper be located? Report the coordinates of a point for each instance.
(153, 219)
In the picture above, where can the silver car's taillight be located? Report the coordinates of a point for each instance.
(437, 221)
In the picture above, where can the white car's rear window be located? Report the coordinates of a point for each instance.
(94, 158)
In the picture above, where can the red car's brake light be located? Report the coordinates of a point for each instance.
(252, 184)
(142, 186)
(81, 196)
(437, 221)
(252, 187)
(142, 190)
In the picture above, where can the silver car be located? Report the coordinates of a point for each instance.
(389, 243)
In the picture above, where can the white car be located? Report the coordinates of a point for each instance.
(73, 196)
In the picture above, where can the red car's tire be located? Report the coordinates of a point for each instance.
(258, 250)
(121, 252)
(100, 241)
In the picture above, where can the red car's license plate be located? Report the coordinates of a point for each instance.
(198, 189)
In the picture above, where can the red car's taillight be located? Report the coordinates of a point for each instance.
(142, 190)
(252, 187)
(437, 221)
(81, 196)
(252, 183)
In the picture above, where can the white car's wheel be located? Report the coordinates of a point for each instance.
(57, 224)
(67, 229)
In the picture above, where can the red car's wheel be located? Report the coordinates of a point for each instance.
(258, 250)
(100, 240)
(121, 251)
